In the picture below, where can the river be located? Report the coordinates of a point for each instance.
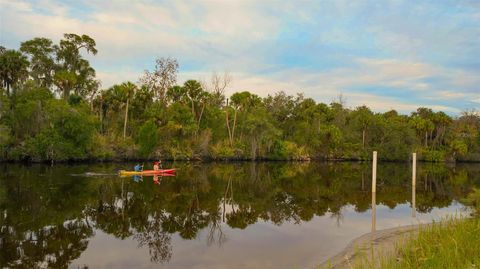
(232, 215)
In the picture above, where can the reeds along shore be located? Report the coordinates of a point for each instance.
(450, 243)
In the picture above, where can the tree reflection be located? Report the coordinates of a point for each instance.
(47, 221)
(157, 241)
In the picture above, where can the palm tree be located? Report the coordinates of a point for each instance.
(128, 89)
(13, 68)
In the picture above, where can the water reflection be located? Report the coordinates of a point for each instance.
(374, 212)
(49, 215)
(414, 183)
(414, 208)
(374, 227)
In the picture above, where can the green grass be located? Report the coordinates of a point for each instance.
(452, 243)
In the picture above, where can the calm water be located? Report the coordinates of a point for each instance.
(267, 215)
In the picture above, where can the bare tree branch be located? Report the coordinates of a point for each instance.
(162, 78)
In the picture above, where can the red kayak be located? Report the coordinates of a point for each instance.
(148, 172)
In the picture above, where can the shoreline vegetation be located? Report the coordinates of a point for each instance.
(53, 109)
(370, 245)
(450, 243)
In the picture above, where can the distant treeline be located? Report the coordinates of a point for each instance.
(52, 109)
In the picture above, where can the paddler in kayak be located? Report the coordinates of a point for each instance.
(138, 168)
(137, 178)
(156, 181)
(156, 166)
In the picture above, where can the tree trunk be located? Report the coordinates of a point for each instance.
(253, 148)
(363, 138)
(125, 122)
(66, 93)
(101, 116)
(228, 126)
(234, 124)
(200, 119)
(193, 108)
(426, 138)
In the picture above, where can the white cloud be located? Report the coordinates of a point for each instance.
(237, 36)
(378, 103)
(109, 78)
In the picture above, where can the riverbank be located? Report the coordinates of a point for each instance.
(370, 245)
(226, 160)
(452, 243)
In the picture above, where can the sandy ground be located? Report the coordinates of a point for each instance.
(370, 246)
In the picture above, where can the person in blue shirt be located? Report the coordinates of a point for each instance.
(137, 178)
(138, 168)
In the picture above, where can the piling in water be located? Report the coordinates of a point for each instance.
(414, 181)
(414, 169)
(374, 172)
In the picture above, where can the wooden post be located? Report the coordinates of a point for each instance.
(374, 192)
(414, 169)
(414, 181)
(374, 172)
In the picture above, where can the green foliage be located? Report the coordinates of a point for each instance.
(473, 199)
(65, 81)
(159, 118)
(101, 148)
(452, 243)
(13, 69)
(222, 150)
(28, 115)
(49, 144)
(5, 140)
(458, 147)
(42, 62)
(147, 138)
(433, 155)
(66, 135)
(286, 150)
(4, 104)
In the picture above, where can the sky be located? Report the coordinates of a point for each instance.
(384, 54)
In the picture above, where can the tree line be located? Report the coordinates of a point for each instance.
(53, 109)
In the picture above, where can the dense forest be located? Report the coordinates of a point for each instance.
(53, 109)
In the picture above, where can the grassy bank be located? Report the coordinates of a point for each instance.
(452, 243)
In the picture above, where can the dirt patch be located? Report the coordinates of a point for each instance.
(370, 246)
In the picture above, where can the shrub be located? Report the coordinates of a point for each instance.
(433, 155)
(147, 138)
(222, 151)
(101, 148)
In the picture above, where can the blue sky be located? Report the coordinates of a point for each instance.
(384, 54)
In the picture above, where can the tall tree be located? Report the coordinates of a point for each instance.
(71, 61)
(162, 78)
(243, 101)
(42, 62)
(65, 82)
(129, 90)
(13, 69)
(218, 85)
(363, 117)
